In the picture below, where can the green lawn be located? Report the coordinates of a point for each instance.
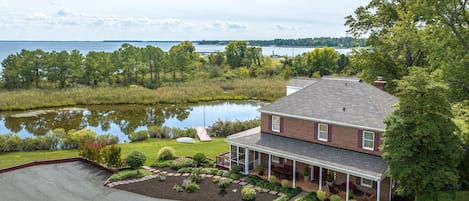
(149, 148)
(462, 196)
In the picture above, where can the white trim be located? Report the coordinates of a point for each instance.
(312, 162)
(378, 190)
(347, 189)
(322, 120)
(366, 185)
(363, 140)
(319, 132)
(279, 124)
(294, 174)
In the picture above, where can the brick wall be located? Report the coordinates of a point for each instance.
(340, 136)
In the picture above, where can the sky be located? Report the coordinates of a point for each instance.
(173, 19)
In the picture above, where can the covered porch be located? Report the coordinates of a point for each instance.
(309, 166)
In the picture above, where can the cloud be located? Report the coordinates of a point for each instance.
(280, 27)
(63, 12)
(37, 17)
(219, 25)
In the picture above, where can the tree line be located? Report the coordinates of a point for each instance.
(342, 42)
(151, 67)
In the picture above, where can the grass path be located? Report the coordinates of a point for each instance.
(149, 148)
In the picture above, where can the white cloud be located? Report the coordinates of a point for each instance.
(220, 25)
(39, 16)
(64, 12)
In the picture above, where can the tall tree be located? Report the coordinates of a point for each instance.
(235, 53)
(322, 60)
(420, 146)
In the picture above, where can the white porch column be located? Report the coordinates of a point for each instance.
(259, 158)
(237, 155)
(270, 161)
(390, 188)
(246, 161)
(320, 178)
(294, 174)
(348, 186)
(311, 173)
(230, 159)
(378, 190)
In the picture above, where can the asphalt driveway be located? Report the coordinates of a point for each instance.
(64, 181)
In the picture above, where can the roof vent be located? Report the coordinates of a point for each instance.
(346, 84)
(343, 109)
(360, 80)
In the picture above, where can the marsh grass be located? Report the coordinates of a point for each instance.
(187, 92)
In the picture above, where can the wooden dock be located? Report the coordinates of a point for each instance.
(202, 134)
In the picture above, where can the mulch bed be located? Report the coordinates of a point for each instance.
(208, 190)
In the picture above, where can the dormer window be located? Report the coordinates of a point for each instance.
(368, 142)
(323, 132)
(276, 123)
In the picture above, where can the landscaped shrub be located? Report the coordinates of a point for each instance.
(138, 136)
(224, 183)
(74, 138)
(153, 132)
(248, 193)
(257, 181)
(235, 169)
(334, 198)
(178, 188)
(129, 174)
(273, 179)
(352, 200)
(112, 156)
(310, 197)
(235, 176)
(177, 132)
(285, 183)
(182, 162)
(192, 187)
(166, 153)
(107, 139)
(224, 128)
(321, 194)
(136, 159)
(91, 151)
(284, 197)
(162, 164)
(199, 158)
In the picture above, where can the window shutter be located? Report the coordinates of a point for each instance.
(329, 133)
(358, 181)
(360, 136)
(281, 124)
(377, 136)
(374, 185)
(270, 122)
(315, 134)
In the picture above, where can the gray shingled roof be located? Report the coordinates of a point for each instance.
(365, 105)
(354, 163)
(301, 82)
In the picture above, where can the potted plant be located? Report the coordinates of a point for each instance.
(329, 179)
(260, 170)
(306, 174)
(163, 176)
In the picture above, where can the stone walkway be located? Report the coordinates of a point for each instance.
(156, 174)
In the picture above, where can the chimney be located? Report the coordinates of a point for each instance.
(380, 83)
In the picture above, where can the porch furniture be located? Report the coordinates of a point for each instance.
(332, 189)
(369, 196)
(285, 172)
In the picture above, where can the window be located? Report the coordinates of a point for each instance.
(276, 123)
(368, 140)
(366, 183)
(323, 132)
(275, 159)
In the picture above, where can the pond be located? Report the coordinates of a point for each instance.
(121, 120)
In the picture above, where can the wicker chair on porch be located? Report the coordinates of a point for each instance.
(332, 189)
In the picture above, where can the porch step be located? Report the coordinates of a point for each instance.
(302, 194)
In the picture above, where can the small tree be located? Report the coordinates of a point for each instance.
(112, 156)
(91, 151)
(135, 160)
(166, 153)
(199, 158)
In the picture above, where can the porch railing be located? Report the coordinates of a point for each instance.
(223, 161)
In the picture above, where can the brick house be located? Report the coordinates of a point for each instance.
(331, 128)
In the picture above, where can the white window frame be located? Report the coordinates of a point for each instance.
(319, 132)
(372, 140)
(275, 159)
(365, 184)
(273, 123)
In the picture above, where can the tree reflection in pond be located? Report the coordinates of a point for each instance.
(123, 119)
